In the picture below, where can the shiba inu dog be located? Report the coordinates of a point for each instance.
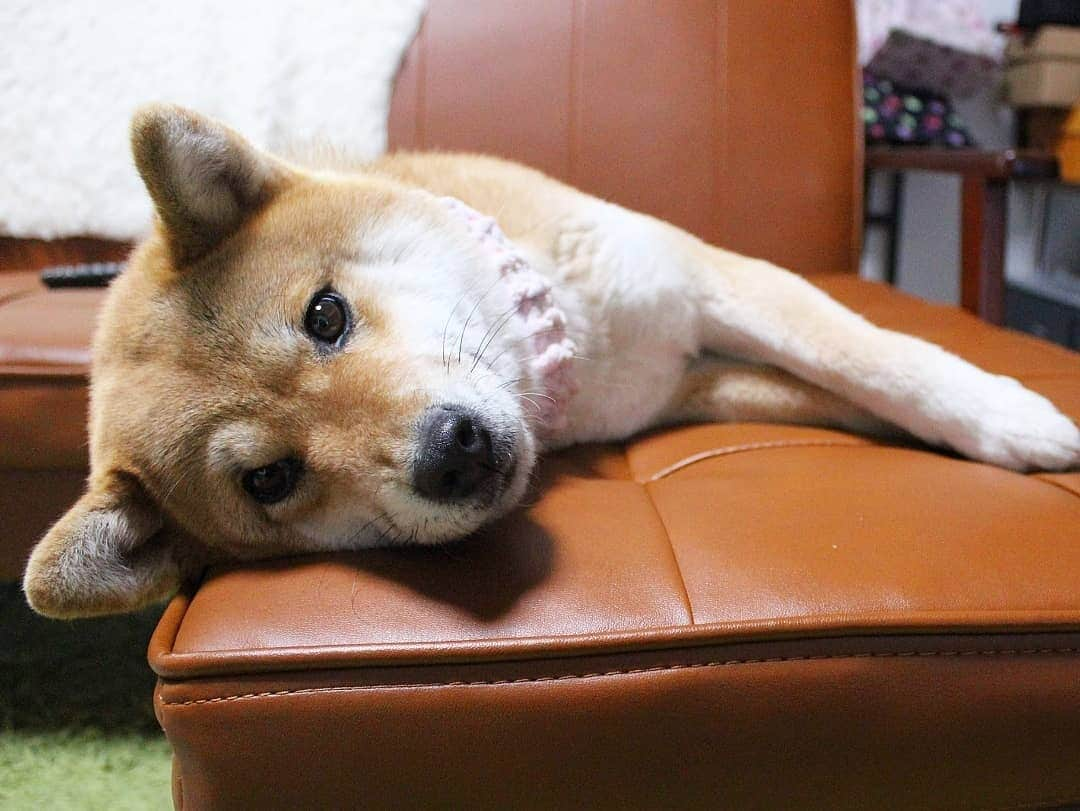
(318, 358)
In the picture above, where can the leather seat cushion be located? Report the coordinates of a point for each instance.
(682, 616)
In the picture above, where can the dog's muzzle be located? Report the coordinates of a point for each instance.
(455, 459)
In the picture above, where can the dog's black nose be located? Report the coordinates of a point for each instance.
(455, 457)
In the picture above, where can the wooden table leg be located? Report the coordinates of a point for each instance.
(896, 209)
(982, 247)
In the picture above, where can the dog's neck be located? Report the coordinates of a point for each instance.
(548, 350)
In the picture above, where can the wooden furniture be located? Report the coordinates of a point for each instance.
(984, 210)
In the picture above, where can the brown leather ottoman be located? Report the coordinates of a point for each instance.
(711, 616)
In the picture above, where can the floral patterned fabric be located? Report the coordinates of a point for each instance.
(896, 115)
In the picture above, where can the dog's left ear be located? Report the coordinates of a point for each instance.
(204, 178)
(110, 553)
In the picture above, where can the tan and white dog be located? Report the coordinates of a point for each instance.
(311, 359)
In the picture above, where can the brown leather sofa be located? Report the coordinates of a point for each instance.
(711, 616)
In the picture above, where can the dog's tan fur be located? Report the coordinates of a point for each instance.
(197, 375)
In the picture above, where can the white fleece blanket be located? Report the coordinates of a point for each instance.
(280, 71)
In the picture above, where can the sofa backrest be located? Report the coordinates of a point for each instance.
(735, 120)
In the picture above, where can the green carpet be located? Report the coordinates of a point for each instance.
(77, 727)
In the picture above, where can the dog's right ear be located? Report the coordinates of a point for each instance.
(107, 555)
(204, 178)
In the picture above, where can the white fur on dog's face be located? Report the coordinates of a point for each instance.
(425, 301)
(440, 307)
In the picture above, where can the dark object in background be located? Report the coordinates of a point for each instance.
(1043, 316)
(95, 274)
(1034, 13)
(895, 115)
(1040, 127)
(913, 61)
(1044, 300)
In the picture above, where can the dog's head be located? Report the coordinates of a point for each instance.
(294, 361)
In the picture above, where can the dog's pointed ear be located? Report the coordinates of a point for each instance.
(204, 178)
(107, 555)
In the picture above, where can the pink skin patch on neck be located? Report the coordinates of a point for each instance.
(549, 350)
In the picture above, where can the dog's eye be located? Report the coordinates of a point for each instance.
(327, 318)
(271, 483)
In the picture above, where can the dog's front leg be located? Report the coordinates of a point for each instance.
(755, 310)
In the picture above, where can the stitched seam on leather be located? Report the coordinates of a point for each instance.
(749, 446)
(1059, 486)
(674, 555)
(626, 672)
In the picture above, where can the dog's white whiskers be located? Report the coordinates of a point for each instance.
(449, 318)
(535, 404)
(446, 327)
(538, 394)
(494, 332)
(472, 312)
(491, 372)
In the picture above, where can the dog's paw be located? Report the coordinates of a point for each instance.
(1011, 426)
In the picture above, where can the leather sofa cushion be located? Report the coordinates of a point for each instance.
(709, 615)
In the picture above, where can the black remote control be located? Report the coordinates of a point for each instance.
(93, 274)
